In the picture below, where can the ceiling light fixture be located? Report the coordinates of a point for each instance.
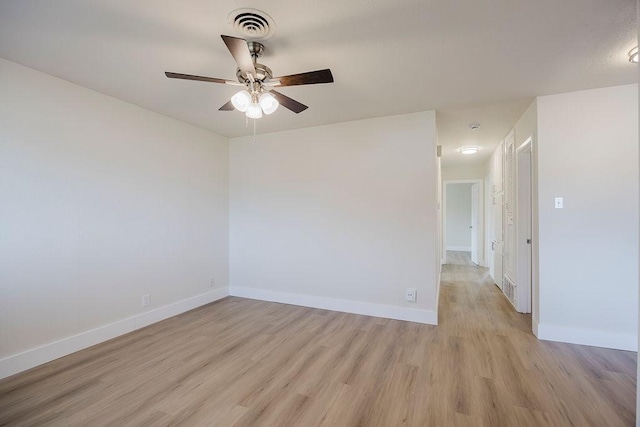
(254, 111)
(257, 96)
(255, 103)
(469, 150)
(633, 55)
(241, 100)
(268, 103)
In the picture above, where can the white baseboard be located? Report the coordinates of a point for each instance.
(592, 337)
(37, 356)
(346, 306)
(459, 248)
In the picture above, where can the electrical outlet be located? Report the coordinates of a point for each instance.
(146, 300)
(411, 295)
(212, 282)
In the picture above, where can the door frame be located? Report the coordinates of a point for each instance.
(480, 231)
(524, 224)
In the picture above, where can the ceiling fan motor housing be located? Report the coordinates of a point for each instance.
(263, 73)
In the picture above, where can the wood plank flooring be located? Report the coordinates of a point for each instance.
(240, 362)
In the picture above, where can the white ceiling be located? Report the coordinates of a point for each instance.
(471, 60)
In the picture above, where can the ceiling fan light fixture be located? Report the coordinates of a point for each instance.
(241, 100)
(257, 79)
(633, 55)
(469, 150)
(269, 103)
(254, 111)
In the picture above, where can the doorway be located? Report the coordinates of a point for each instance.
(463, 218)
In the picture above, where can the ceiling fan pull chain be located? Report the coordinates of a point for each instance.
(254, 131)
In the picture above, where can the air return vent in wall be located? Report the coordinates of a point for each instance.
(509, 289)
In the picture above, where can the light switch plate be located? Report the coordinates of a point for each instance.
(559, 203)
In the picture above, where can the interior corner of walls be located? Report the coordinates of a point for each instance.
(20, 362)
(590, 337)
(428, 317)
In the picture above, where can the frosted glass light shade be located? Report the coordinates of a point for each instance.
(254, 111)
(269, 103)
(469, 150)
(241, 100)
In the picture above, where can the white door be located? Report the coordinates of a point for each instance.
(495, 257)
(523, 228)
(475, 225)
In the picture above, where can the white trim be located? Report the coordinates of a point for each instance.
(37, 356)
(534, 328)
(592, 337)
(459, 248)
(347, 306)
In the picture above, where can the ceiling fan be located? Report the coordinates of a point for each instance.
(257, 95)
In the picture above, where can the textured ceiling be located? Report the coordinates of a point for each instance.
(387, 57)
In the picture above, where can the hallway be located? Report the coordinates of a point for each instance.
(506, 376)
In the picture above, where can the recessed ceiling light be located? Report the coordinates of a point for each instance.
(633, 55)
(469, 150)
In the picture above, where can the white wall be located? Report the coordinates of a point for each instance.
(588, 154)
(341, 216)
(463, 172)
(102, 202)
(458, 211)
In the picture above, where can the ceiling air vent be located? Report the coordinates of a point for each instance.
(252, 23)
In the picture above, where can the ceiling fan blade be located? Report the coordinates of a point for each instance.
(240, 52)
(227, 107)
(289, 103)
(198, 78)
(309, 78)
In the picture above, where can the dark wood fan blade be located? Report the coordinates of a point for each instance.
(198, 78)
(227, 107)
(240, 52)
(309, 78)
(289, 103)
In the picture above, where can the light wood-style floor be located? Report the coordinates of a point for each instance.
(239, 362)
